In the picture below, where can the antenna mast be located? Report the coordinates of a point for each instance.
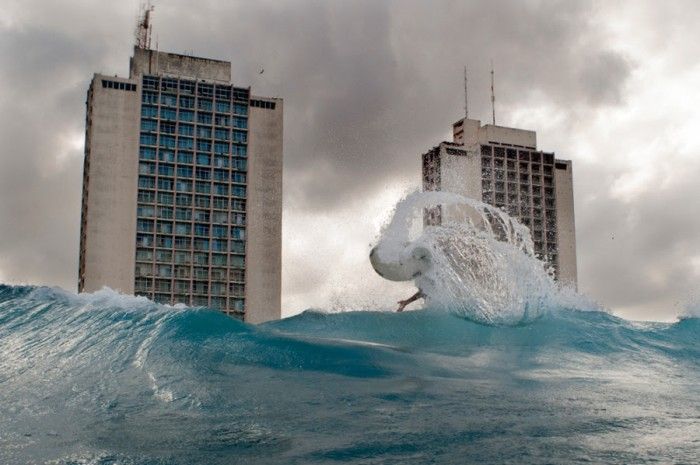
(143, 26)
(466, 99)
(493, 97)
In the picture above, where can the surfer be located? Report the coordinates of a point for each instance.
(413, 298)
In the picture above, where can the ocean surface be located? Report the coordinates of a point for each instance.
(108, 379)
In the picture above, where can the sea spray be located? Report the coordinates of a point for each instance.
(482, 267)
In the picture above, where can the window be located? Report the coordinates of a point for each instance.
(165, 213)
(187, 87)
(221, 162)
(238, 247)
(203, 145)
(218, 260)
(184, 229)
(203, 173)
(165, 198)
(238, 177)
(205, 90)
(148, 111)
(220, 217)
(147, 182)
(147, 168)
(144, 240)
(238, 204)
(238, 219)
(184, 171)
(182, 243)
(165, 242)
(184, 157)
(240, 94)
(185, 143)
(166, 156)
(219, 245)
(150, 82)
(165, 184)
(147, 197)
(238, 233)
(223, 92)
(240, 109)
(220, 175)
(222, 120)
(186, 115)
(166, 170)
(238, 191)
(218, 231)
(185, 129)
(167, 142)
(145, 211)
(167, 127)
(222, 134)
(204, 118)
(223, 107)
(168, 113)
(239, 150)
(201, 215)
(221, 147)
(237, 261)
(144, 226)
(240, 123)
(220, 203)
(169, 100)
(148, 139)
(201, 244)
(202, 201)
(201, 258)
(240, 165)
(164, 256)
(144, 255)
(220, 189)
(186, 102)
(184, 214)
(203, 187)
(182, 257)
(169, 85)
(147, 153)
(204, 132)
(204, 104)
(183, 186)
(149, 125)
(203, 159)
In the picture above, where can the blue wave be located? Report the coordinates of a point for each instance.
(112, 379)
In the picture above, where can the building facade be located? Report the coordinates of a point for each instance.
(503, 167)
(182, 187)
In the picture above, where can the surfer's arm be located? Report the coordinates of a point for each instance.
(413, 298)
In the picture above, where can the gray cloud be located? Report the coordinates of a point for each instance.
(368, 85)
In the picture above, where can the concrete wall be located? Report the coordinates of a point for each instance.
(470, 132)
(264, 218)
(153, 62)
(566, 227)
(110, 206)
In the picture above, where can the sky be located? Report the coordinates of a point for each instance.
(369, 85)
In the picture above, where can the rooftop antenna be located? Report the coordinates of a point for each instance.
(493, 97)
(144, 27)
(466, 99)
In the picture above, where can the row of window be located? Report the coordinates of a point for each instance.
(189, 116)
(200, 201)
(513, 154)
(263, 104)
(187, 103)
(185, 229)
(185, 214)
(147, 270)
(524, 166)
(106, 84)
(187, 86)
(197, 259)
(186, 287)
(185, 129)
(201, 187)
(236, 245)
(188, 143)
(205, 159)
(201, 173)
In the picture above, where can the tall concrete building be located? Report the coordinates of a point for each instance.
(503, 167)
(182, 187)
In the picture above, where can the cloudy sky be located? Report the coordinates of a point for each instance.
(368, 85)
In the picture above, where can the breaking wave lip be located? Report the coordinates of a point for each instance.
(111, 379)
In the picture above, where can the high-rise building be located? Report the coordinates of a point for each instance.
(502, 167)
(182, 187)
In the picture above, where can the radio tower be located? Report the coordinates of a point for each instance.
(143, 26)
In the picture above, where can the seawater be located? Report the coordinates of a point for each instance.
(108, 379)
(503, 367)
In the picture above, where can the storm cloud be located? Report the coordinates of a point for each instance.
(368, 86)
